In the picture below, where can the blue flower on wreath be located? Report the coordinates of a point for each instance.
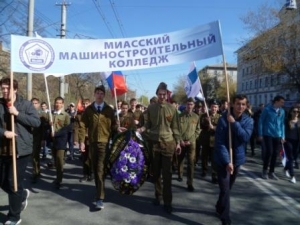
(129, 167)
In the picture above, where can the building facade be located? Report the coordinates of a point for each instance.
(261, 85)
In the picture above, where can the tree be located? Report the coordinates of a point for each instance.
(179, 94)
(274, 45)
(221, 92)
(210, 84)
(143, 99)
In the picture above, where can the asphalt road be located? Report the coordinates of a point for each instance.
(253, 200)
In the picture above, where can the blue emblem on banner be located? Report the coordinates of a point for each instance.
(36, 55)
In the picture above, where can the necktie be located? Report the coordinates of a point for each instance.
(98, 109)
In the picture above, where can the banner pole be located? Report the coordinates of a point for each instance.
(228, 99)
(13, 140)
(49, 104)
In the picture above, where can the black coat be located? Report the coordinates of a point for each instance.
(28, 117)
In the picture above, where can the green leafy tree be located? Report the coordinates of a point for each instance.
(274, 44)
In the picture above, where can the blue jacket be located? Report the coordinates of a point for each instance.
(271, 123)
(241, 131)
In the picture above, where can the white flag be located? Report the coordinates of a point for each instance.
(192, 84)
(291, 4)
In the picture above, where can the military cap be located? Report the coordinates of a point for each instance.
(162, 86)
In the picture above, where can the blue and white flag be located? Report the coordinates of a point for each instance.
(192, 85)
(291, 4)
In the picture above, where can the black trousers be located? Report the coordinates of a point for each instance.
(225, 180)
(272, 148)
(15, 199)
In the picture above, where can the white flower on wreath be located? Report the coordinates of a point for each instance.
(127, 155)
(132, 175)
(132, 159)
(127, 180)
(124, 168)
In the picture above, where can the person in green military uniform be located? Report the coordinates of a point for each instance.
(198, 109)
(61, 126)
(136, 113)
(126, 118)
(190, 130)
(208, 126)
(164, 139)
(99, 121)
(86, 157)
(38, 138)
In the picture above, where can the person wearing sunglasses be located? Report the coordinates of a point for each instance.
(292, 135)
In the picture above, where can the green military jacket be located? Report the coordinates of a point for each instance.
(60, 120)
(127, 121)
(98, 125)
(189, 126)
(207, 134)
(162, 123)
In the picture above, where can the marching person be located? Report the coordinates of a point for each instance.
(99, 121)
(61, 126)
(190, 130)
(25, 117)
(126, 118)
(39, 138)
(292, 134)
(208, 124)
(87, 168)
(241, 130)
(164, 139)
(271, 130)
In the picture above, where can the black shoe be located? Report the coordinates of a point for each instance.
(203, 174)
(91, 178)
(296, 165)
(190, 188)
(226, 222)
(168, 209)
(84, 179)
(57, 185)
(179, 179)
(50, 165)
(214, 180)
(156, 202)
(218, 211)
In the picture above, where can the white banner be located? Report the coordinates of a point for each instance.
(49, 55)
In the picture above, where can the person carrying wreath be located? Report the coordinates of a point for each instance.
(163, 131)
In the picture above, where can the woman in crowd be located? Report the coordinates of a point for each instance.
(292, 136)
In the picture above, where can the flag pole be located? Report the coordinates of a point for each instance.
(205, 104)
(49, 104)
(116, 105)
(13, 140)
(228, 98)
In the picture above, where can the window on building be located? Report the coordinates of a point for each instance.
(242, 86)
(272, 81)
(266, 98)
(246, 86)
(255, 83)
(260, 82)
(287, 97)
(243, 73)
(251, 85)
(266, 81)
